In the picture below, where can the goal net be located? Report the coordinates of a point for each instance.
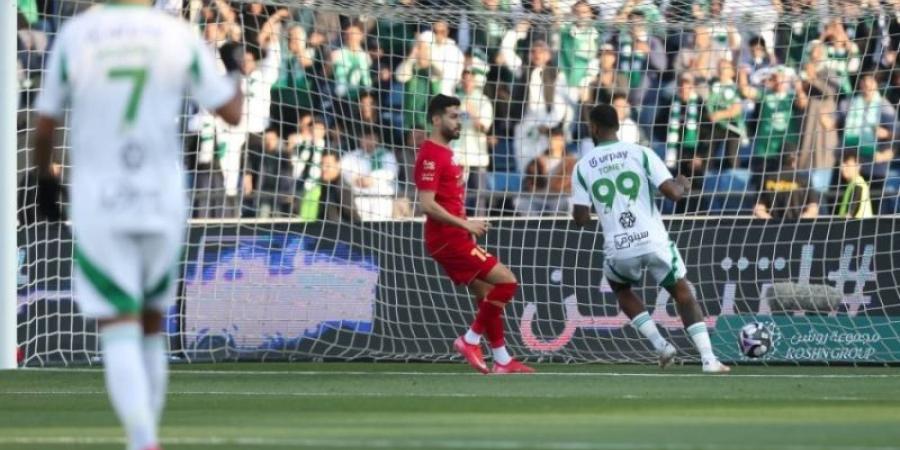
(305, 237)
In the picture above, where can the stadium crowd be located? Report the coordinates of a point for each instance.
(780, 109)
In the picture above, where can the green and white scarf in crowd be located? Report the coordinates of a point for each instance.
(861, 126)
(578, 46)
(632, 64)
(841, 60)
(351, 72)
(307, 164)
(684, 134)
(775, 126)
(721, 97)
(376, 161)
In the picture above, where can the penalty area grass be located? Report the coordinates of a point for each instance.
(446, 406)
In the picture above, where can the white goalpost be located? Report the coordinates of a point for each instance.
(8, 192)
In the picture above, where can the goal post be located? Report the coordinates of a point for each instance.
(8, 171)
(306, 241)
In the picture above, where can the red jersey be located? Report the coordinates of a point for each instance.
(435, 171)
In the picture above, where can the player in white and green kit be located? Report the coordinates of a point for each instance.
(620, 181)
(123, 69)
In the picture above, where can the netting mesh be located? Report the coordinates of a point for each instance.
(306, 238)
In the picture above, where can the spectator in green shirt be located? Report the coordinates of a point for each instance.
(778, 124)
(489, 29)
(868, 119)
(843, 54)
(578, 45)
(856, 201)
(294, 90)
(421, 78)
(351, 64)
(726, 112)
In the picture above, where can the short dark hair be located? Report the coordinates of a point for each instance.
(848, 155)
(755, 41)
(605, 116)
(439, 104)
(368, 130)
(367, 94)
(619, 95)
(330, 152)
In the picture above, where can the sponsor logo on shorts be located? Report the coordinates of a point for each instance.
(625, 240)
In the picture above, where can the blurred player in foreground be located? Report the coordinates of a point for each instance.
(123, 69)
(450, 239)
(619, 180)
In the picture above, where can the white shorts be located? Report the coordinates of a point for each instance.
(119, 273)
(664, 264)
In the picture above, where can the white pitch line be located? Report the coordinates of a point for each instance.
(458, 374)
(408, 395)
(416, 444)
(276, 394)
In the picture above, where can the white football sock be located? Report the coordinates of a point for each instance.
(501, 356)
(700, 336)
(126, 382)
(647, 327)
(156, 363)
(472, 337)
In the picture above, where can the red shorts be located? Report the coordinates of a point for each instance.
(463, 260)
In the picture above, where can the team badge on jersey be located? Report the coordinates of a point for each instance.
(132, 156)
(627, 219)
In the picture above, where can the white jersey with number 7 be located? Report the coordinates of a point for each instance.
(621, 180)
(124, 71)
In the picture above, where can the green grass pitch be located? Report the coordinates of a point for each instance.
(445, 406)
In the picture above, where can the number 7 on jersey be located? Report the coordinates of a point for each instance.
(137, 76)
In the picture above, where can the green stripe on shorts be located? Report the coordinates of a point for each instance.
(121, 300)
(669, 280)
(160, 287)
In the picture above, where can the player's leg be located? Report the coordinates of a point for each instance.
(479, 290)
(107, 282)
(687, 306)
(161, 257)
(504, 284)
(621, 275)
(469, 344)
(156, 363)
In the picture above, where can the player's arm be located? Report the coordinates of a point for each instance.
(581, 214)
(43, 144)
(435, 211)
(676, 188)
(50, 108)
(658, 174)
(219, 94)
(581, 199)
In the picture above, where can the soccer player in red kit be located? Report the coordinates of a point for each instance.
(450, 239)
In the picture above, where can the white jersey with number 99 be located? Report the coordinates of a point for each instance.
(621, 180)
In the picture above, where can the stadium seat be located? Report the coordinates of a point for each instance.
(727, 191)
(505, 181)
(734, 180)
(889, 198)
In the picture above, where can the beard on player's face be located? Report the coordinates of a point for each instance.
(450, 132)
